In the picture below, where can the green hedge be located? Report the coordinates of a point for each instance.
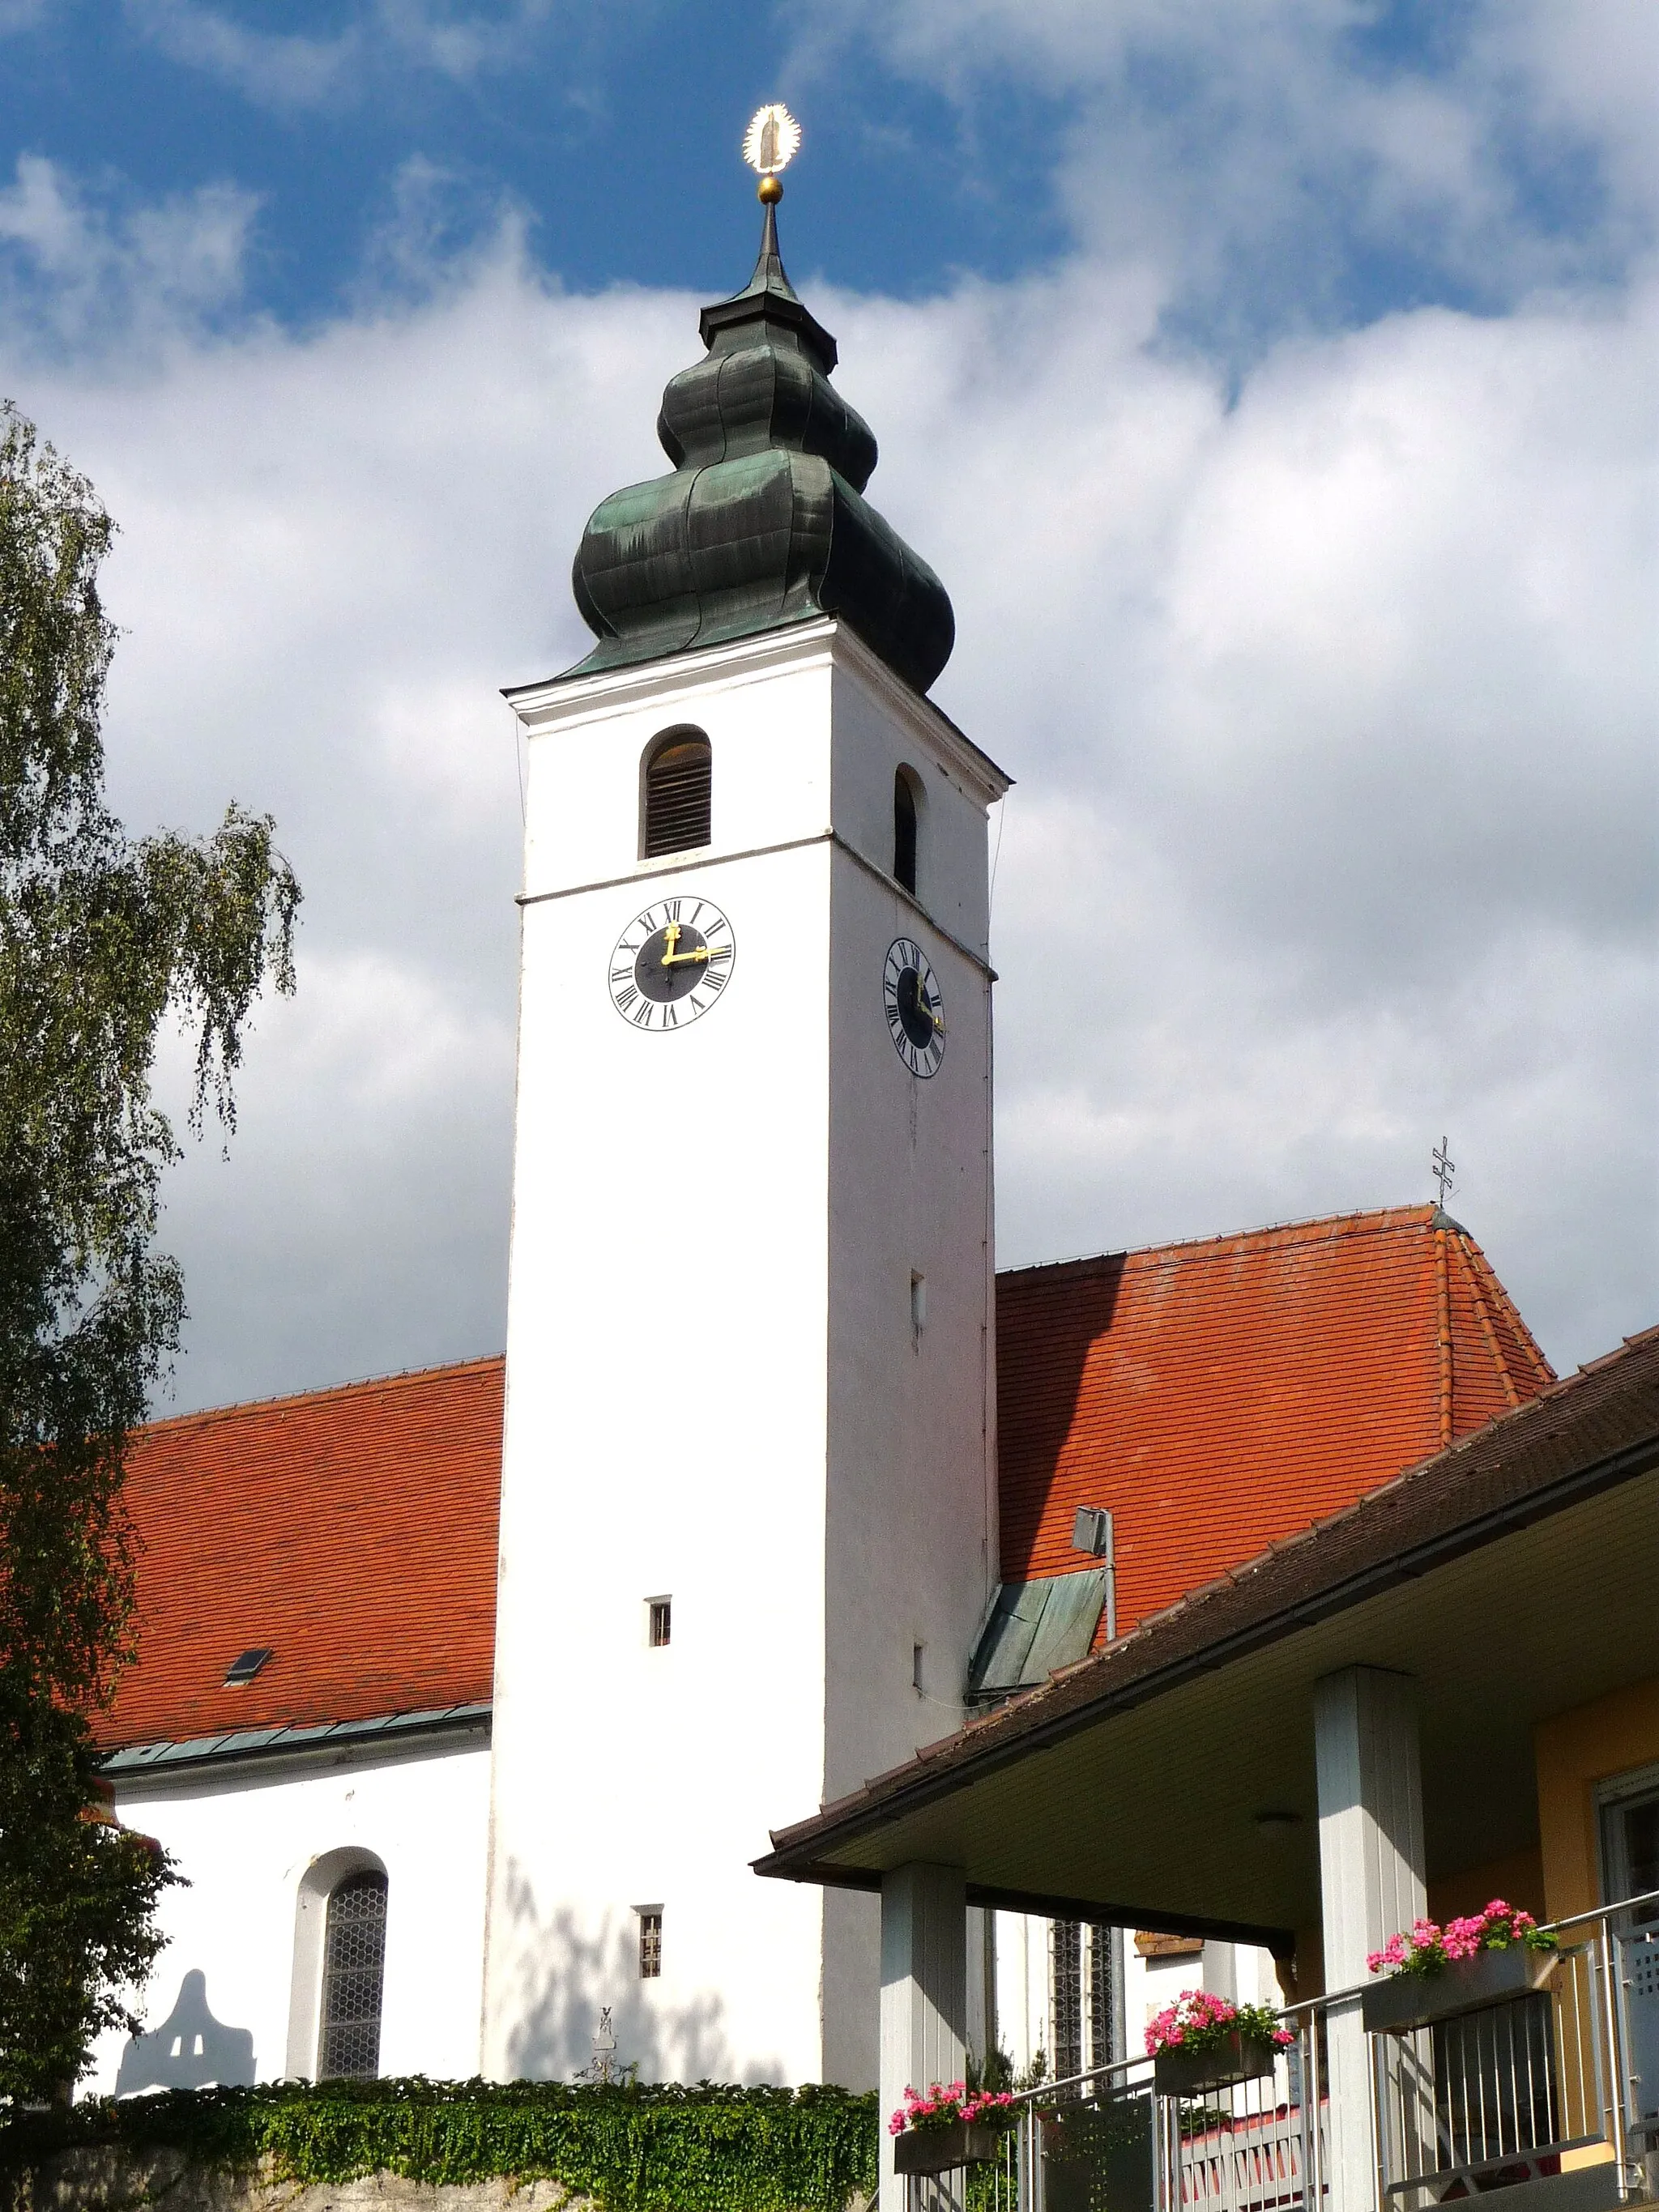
(634, 2148)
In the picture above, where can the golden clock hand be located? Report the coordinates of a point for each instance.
(679, 959)
(672, 936)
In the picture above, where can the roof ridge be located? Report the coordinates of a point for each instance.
(1511, 1311)
(1443, 1333)
(395, 1378)
(1367, 1221)
(1484, 1319)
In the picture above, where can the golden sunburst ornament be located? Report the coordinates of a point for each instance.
(769, 144)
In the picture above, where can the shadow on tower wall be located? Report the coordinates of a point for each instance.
(567, 1975)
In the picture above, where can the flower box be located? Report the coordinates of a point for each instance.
(1403, 2002)
(936, 2150)
(1181, 2069)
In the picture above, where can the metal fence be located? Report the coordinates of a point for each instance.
(1562, 2080)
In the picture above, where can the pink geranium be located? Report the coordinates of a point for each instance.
(1429, 1947)
(1199, 2022)
(947, 2102)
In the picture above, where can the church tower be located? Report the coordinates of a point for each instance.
(748, 1508)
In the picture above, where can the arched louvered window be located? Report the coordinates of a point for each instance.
(905, 824)
(679, 793)
(354, 1969)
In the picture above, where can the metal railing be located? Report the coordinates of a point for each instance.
(1561, 2080)
(1557, 2081)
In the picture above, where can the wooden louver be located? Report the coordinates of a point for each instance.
(678, 789)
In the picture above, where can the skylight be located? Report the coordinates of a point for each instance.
(246, 1665)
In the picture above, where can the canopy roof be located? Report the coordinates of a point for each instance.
(1512, 1574)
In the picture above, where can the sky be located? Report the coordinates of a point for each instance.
(1270, 381)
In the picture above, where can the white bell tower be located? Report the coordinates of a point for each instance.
(748, 1512)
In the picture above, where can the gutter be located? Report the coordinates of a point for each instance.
(247, 1747)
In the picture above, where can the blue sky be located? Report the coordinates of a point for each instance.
(933, 150)
(613, 129)
(1272, 383)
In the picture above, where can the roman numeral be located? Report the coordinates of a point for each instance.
(642, 1020)
(622, 975)
(696, 911)
(671, 1017)
(715, 979)
(670, 909)
(625, 999)
(719, 952)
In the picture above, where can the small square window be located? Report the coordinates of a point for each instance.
(650, 1945)
(661, 1611)
(246, 1664)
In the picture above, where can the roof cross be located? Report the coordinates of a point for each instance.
(1444, 1168)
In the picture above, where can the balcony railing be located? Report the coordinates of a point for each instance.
(1557, 2088)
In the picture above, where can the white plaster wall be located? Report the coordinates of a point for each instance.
(681, 1402)
(244, 1842)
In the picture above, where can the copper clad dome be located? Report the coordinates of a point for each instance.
(761, 523)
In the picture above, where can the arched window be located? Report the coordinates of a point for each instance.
(354, 1968)
(679, 793)
(906, 814)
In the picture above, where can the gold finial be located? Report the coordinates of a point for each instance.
(769, 144)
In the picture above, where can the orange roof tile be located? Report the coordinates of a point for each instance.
(1220, 1394)
(352, 1530)
(1216, 1396)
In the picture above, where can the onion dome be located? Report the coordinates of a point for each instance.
(761, 522)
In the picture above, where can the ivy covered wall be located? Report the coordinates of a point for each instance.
(653, 2149)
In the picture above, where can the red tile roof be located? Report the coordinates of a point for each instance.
(1215, 1395)
(1219, 1395)
(352, 1530)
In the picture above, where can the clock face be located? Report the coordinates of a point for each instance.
(671, 964)
(915, 1006)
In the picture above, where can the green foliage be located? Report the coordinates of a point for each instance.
(101, 936)
(633, 2148)
(77, 1901)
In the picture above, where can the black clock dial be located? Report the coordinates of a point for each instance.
(671, 962)
(914, 1006)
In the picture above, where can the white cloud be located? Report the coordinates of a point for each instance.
(1330, 699)
(291, 70)
(1280, 161)
(76, 273)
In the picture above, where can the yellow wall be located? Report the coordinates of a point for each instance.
(1518, 1880)
(1575, 1751)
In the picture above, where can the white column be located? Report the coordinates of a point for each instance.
(1370, 1874)
(923, 2004)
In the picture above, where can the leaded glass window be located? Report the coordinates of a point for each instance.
(354, 1969)
(1065, 2000)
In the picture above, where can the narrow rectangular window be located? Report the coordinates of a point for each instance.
(916, 1650)
(1105, 1995)
(918, 1306)
(661, 1611)
(1066, 1999)
(651, 1946)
